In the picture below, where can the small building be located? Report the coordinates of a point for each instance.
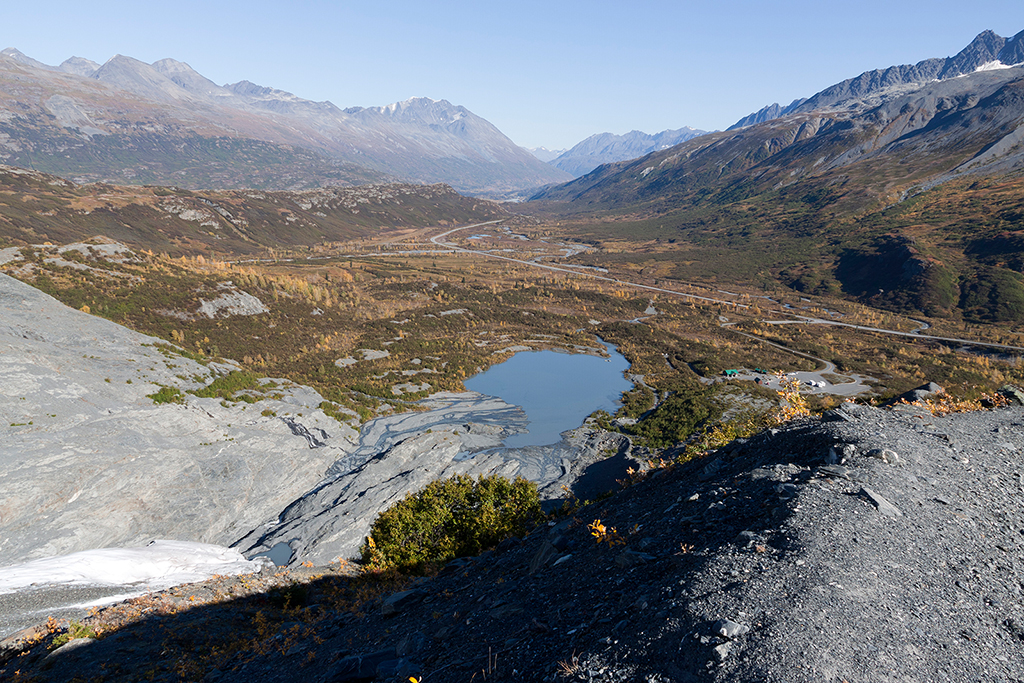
(731, 373)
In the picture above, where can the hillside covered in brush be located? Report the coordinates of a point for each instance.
(907, 196)
(36, 208)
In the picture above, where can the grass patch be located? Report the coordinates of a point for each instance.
(167, 395)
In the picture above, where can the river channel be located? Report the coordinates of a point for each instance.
(556, 390)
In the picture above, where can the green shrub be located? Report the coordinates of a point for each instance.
(675, 418)
(456, 517)
(167, 395)
(75, 630)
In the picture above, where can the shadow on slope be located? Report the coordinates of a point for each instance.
(525, 607)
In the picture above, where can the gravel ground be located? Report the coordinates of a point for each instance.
(872, 545)
(24, 609)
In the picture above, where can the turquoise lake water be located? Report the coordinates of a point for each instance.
(556, 390)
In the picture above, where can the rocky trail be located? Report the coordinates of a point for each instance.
(868, 545)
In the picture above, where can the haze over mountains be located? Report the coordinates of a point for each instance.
(163, 123)
(605, 148)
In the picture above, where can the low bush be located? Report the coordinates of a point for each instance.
(167, 395)
(456, 517)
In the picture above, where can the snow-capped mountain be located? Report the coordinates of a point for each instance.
(986, 52)
(544, 154)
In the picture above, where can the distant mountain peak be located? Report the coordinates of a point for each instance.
(18, 56)
(168, 65)
(544, 154)
(1012, 53)
(252, 90)
(606, 148)
(79, 66)
(419, 110)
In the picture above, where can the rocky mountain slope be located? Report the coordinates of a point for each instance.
(605, 148)
(922, 177)
(986, 52)
(89, 460)
(126, 121)
(870, 545)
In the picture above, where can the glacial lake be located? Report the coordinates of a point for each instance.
(556, 390)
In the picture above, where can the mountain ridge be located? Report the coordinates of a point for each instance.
(987, 51)
(150, 115)
(603, 148)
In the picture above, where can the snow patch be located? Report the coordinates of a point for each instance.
(159, 565)
(994, 65)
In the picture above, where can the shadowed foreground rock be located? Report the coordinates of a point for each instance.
(770, 560)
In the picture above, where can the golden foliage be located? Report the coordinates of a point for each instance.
(604, 534)
(944, 404)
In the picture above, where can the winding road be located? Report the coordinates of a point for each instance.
(800, 319)
(856, 385)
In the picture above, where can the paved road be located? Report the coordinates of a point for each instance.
(800, 319)
(916, 334)
(438, 240)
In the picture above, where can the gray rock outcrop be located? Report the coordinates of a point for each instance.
(89, 461)
(400, 454)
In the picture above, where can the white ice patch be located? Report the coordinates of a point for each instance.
(994, 65)
(159, 565)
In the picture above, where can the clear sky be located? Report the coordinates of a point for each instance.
(546, 72)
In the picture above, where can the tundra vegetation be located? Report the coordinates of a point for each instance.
(375, 333)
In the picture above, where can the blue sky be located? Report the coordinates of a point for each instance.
(546, 73)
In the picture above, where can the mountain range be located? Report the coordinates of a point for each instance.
(129, 122)
(901, 187)
(988, 51)
(911, 128)
(605, 148)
